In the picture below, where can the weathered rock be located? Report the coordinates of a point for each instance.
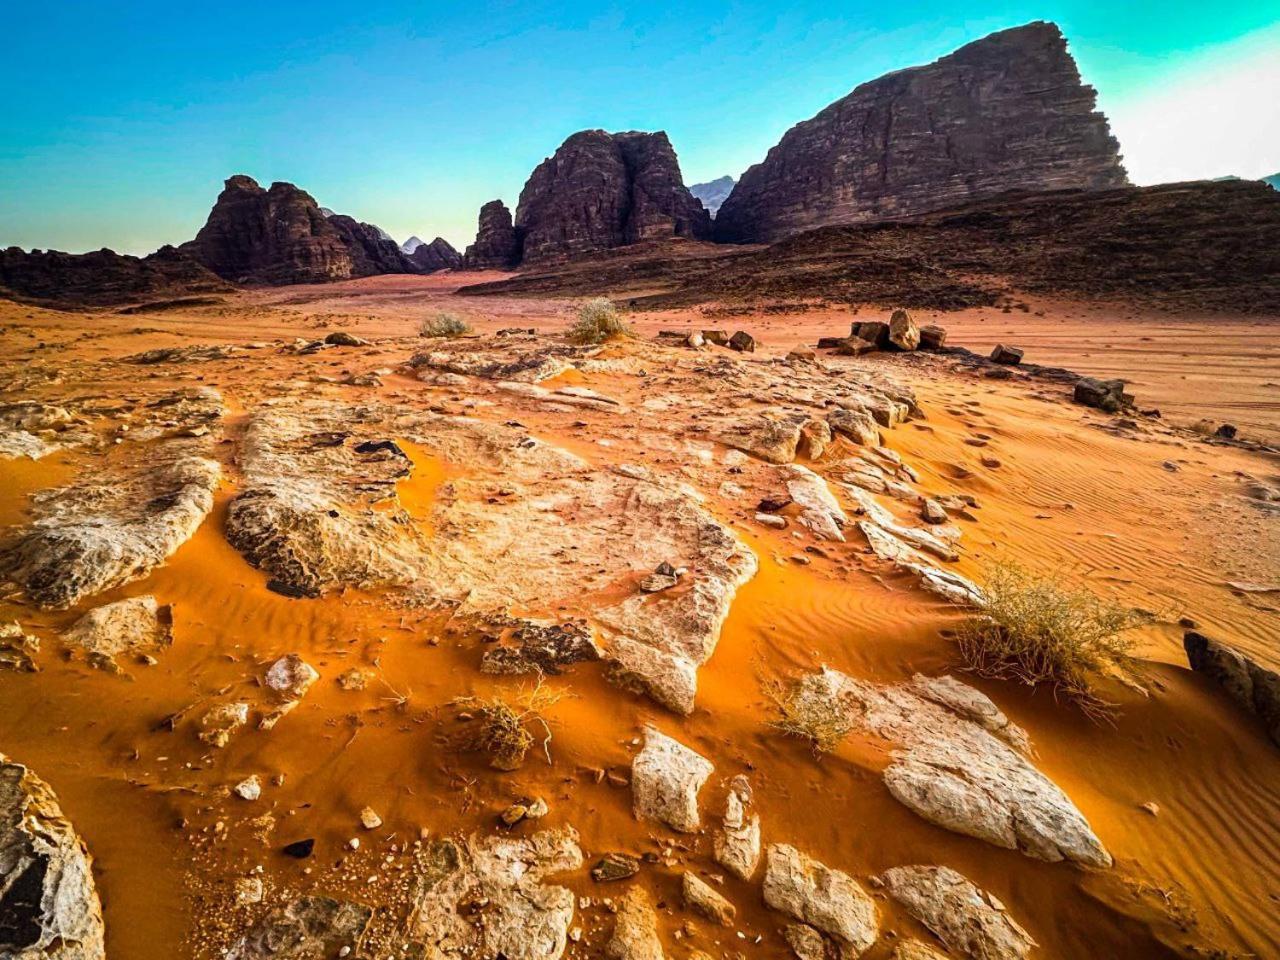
(903, 332)
(854, 347)
(968, 920)
(497, 245)
(1252, 686)
(698, 896)
(221, 722)
(49, 907)
(1007, 355)
(18, 648)
(915, 950)
(309, 928)
(1007, 112)
(544, 648)
(931, 511)
(1105, 395)
(772, 437)
(737, 845)
(635, 932)
(932, 338)
(615, 866)
(523, 918)
(133, 626)
(372, 252)
(439, 254)
(955, 772)
(600, 191)
(103, 532)
(820, 511)
(743, 342)
(290, 677)
(103, 277)
(665, 779)
(807, 943)
(828, 900)
(342, 338)
(973, 705)
(857, 425)
(719, 337)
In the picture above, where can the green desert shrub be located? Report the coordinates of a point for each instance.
(444, 325)
(1037, 631)
(598, 320)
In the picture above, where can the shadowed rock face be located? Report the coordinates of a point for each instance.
(601, 190)
(1008, 112)
(103, 277)
(497, 245)
(436, 255)
(278, 235)
(372, 251)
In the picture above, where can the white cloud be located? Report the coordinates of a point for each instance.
(1212, 114)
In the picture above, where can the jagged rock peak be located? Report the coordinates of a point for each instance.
(713, 193)
(1007, 112)
(439, 254)
(601, 190)
(497, 245)
(410, 245)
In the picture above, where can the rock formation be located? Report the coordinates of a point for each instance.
(410, 245)
(436, 255)
(602, 190)
(967, 919)
(372, 251)
(497, 245)
(102, 278)
(1007, 112)
(826, 901)
(1254, 687)
(713, 193)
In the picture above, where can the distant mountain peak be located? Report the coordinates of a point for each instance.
(412, 244)
(713, 192)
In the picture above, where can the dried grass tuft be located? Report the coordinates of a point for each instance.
(598, 321)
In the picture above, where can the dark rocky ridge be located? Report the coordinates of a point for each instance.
(497, 245)
(101, 278)
(1187, 246)
(439, 254)
(372, 251)
(601, 190)
(1005, 113)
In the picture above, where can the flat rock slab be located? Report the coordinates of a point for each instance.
(48, 903)
(135, 626)
(827, 900)
(665, 779)
(966, 919)
(309, 928)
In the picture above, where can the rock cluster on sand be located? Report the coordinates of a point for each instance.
(49, 907)
(1007, 112)
(303, 929)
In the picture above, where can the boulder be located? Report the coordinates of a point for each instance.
(635, 932)
(134, 626)
(308, 928)
(903, 332)
(858, 425)
(49, 907)
(828, 900)
(719, 337)
(700, 898)
(1253, 687)
(665, 779)
(855, 347)
(1006, 355)
(1107, 395)
(743, 342)
(1005, 113)
(874, 332)
(932, 338)
(968, 920)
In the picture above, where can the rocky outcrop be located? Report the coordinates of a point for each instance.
(969, 921)
(713, 193)
(308, 928)
(372, 252)
(958, 764)
(49, 907)
(1252, 686)
(1008, 112)
(737, 844)
(523, 917)
(601, 190)
(436, 255)
(102, 532)
(102, 278)
(827, 901)
(497, 245)
(137, 625)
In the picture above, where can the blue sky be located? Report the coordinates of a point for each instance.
(121, 121)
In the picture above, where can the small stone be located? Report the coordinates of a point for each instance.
(537, 809)
(249, 890)
(249, 789)
(933, 512)
(1152, 808)
(513, 814)
(1004, 354)
(614, 866)
(700, 897)
(369, 819)
(771, 520)
(299, 849)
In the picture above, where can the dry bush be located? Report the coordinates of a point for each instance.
(1037, 631)
(809, 715)
(598, 321)
(444, 325)
(505, 731)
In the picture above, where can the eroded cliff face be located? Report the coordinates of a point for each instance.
(497, 245)
(602, 190)
(272, 236)
(1007, 112)
(372, 252)
(439, 254)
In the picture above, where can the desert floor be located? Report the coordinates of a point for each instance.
(1150, 514)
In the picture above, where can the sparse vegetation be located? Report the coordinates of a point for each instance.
(1037, 631)
(444, 325)
(808, 715)
(505, 731)
(598, 321)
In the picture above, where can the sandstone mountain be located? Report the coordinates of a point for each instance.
(713, 193)
(103, 277)
(439, 254)
(601, 190)
(1004, 113)
(497, 245)
(281, 235)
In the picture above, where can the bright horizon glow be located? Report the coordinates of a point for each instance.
(123, 123)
